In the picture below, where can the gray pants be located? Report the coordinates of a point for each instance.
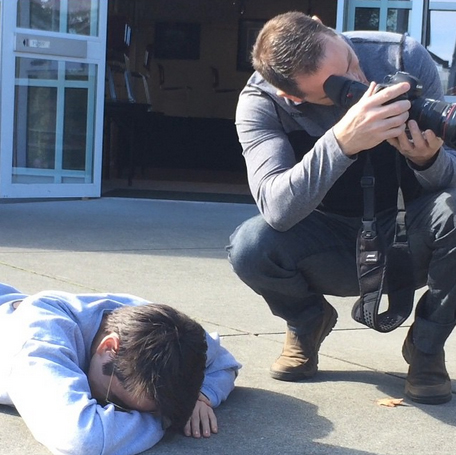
(293, 269)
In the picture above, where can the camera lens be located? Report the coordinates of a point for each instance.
(438, 116)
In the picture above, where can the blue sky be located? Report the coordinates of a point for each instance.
(443, 34)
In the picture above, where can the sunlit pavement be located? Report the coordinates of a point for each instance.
(174, 252)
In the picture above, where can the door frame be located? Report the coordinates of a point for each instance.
(96, 50)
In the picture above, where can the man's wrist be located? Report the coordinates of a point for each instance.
(204, 398)
(425, 164)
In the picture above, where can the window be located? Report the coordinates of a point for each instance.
(393, 16)
(430, 22)
(439, 36)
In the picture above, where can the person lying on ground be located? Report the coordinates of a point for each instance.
(108, 373)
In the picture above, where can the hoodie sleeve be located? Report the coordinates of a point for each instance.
(221, 371)
(51, 392)
(56, 405)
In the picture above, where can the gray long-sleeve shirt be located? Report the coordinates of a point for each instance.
(287, 189)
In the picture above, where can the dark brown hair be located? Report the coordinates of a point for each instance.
(289, 45)
(161, 355)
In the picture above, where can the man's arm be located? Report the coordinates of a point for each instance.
(285, 191)
(221, 372)
(434, 164)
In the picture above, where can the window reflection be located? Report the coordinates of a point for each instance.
(54, 121)
(441, 43)
(367, 18)
(397, 20)
(74, 16)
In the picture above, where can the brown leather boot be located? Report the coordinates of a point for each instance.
(299, 358)
(427, 381)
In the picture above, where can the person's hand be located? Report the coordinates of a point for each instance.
(421, 148)
(370, 121)
(203, 420)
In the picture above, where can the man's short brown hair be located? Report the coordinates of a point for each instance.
(161, 356)
(289, 45)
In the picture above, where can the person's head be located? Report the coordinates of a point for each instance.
(149, 358)
(296, 53)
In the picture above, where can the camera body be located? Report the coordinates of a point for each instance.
(438, 116)
(414, 92)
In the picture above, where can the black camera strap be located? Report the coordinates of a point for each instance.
(378, 265)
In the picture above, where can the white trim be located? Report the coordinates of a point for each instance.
(442, 6)
(1, 72)
(90, 178)
(7, 97)
(416, 20)
(341, 15)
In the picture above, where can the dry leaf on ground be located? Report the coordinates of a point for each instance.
(390, 402)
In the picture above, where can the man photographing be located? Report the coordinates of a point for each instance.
(306, 158)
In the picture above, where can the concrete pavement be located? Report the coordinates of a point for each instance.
(173, 252)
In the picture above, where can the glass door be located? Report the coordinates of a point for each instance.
(52, 94)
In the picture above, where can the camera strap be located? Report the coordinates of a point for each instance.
(378, 265)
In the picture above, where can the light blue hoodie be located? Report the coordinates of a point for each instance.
(44, 359)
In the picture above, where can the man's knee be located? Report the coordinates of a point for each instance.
(249, 244)
(443, 215)
(433, 216)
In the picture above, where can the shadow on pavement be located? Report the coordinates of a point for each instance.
(261, 422)
(391, 384)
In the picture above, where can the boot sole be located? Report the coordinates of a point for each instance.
(293, 376)
(423, 399)
(441, 398)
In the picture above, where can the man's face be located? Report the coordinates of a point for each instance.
(106, 388)
(340, 60)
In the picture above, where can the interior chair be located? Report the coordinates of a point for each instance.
(131, 77)
(128, 107)
(115, 81)
(122, 83)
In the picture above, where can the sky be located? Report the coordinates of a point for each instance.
(443, 34)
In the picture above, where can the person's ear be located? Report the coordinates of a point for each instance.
(109, 343)
(282, 94)
(316, 18)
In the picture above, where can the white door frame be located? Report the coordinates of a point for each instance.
(95, 50)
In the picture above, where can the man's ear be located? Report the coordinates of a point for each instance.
(282, 94)
(316, 18)
(109, 343)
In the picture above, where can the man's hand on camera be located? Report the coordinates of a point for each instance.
(421, 148)
(370, 121)
(203, 420)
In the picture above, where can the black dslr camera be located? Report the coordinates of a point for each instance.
(438, 116)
